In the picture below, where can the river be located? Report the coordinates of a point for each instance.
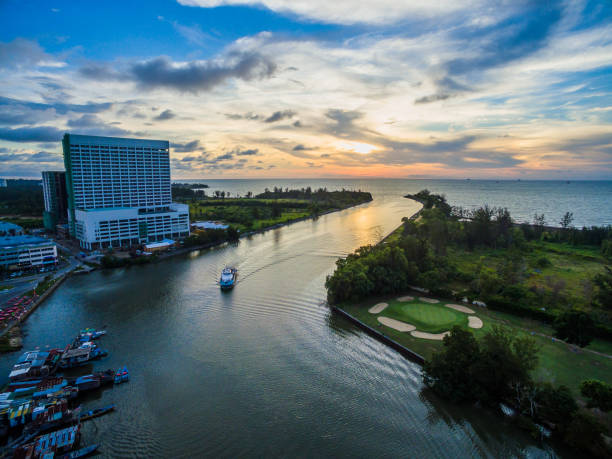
(266, 369)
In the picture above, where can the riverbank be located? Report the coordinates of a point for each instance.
(560, 362)
(185, 250)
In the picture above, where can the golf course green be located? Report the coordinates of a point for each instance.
(427, 317)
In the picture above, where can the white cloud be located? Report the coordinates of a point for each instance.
(350, 11)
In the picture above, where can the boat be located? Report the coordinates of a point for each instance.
(90, 334)
(122, 375)
(125, 376)
(228, 278)
(80, 356)
(50, 444)
(80, 452)
(97, 412)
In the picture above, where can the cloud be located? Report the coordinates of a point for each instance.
(246, 116)
(349, 12)
(100, 72)
(25, 53)
(193, 34)
(40, 157)
(279, 116)
(431, 98)
(89, 124)
(249, 152)
(31, 134)
(165, 115)
(187, 147)
(197, 76)
(60, 107)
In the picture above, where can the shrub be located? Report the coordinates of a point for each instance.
(543, 262)
(575, 326)
(598, 393)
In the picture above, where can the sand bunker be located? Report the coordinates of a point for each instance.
(380, 307)
(436, 336)
(459, 308)
(429, 300)
(474, 322)
(405, 298)
(396, 324)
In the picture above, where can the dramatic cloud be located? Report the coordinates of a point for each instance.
(186, 147)
(25, 53)
(349, 12)
(432, 98)
(250, 152)
(31, 134)
(279, 116)
(201, 75)
(93, 125)
(60, 108)
(165, 115)
(100, 72)
(246, 116)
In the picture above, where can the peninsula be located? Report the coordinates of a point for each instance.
(478, 296)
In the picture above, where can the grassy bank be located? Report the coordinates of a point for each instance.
(559, 363)
(272, 208)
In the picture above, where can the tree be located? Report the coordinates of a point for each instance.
(539, 222)
(566, 221)
(505, 362)
(584, 432)
(450, 372)
(598, 393)
(603, 282)
(555, 404)
(575, 327)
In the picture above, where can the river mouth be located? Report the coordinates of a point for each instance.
(264, 369)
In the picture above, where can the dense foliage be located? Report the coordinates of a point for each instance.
(431, 250)
(598, 393)
(22, 197)
(489, 370)
(271, 207)
(498, 368)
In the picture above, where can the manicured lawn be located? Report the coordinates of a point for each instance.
(432, 318)
(558, 362)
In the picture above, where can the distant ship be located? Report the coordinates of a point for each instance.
(228, 278)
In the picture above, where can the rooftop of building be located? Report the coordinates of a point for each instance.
(116, 141)
(7, 226)
(16, 241)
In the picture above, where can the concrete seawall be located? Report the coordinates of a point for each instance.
(417, 358)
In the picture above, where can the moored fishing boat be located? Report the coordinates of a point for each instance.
(122, 375)
(97, 412)
(80, 452)
(228, 278)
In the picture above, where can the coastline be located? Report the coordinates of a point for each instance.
(180, 251)
(405, 351)
(185, 250)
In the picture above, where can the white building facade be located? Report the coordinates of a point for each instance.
(23, 252)
(119, 192)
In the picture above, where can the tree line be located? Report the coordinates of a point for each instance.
(498, 369)
(419, 256)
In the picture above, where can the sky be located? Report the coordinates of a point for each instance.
(503, 89)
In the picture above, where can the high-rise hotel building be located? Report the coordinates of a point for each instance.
(56, 198)
(119, 192)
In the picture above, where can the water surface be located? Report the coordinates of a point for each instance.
(264, 370)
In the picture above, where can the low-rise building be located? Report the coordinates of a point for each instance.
(10, 229)
(159, 246)
(209, 225)
(25, 252)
